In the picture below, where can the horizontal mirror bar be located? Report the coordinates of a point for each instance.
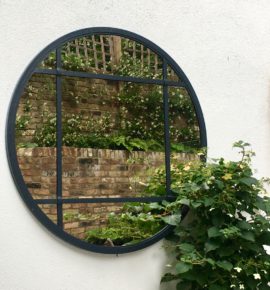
(113, 199)
(109, 77)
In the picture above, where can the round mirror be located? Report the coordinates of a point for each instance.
(97, 119)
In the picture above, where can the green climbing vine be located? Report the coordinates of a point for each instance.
(138, 124)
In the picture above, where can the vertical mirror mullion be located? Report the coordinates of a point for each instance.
(166, 127)
(59, 141)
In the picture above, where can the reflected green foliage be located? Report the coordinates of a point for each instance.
(141, 115)
(139, 124)
(135, 223)
(129, 66)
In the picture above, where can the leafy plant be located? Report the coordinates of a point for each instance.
(92, 133)
(76, 131)
(141, 107)
(222, 246)
(130, 66)
(71, 217)
(136, 222)
(21, 122)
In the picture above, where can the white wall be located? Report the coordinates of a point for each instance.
(223, 47)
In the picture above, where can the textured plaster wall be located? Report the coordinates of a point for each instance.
(223, 47)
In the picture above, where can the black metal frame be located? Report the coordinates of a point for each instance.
(58, 73)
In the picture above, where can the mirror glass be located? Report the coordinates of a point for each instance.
(113, 140)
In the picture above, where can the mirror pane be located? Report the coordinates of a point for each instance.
(112, 224)
(50, 211)
(35, 136)
(113, 137)
(184, 129)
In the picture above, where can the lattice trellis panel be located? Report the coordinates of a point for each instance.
(103, 53)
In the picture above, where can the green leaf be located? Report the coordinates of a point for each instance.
(182, 267)
(217, 218)
(186, 248)
(172, 219)
(240, 144)
(220, 184)
(255, 247)
(261, 203)
(184, 285)
(196, 204)
(210, 261)
(252, 283)
(267, 205)
(155, 205)
(249, 236)
(243, 225)
(211, 246)
(213, 232)
(208, 201)
(225, 265)
(248, 180)
(185, 201)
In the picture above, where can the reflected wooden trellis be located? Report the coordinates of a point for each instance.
(103, 52)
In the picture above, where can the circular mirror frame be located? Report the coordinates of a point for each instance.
(11, 144)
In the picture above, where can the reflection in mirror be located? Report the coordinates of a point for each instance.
(113, 137)
(184, 128)
(171, 75)
(50, 210)
(35, 136)
(112, 224)
(49, 61)
(110, 54)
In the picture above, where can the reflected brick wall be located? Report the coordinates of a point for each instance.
(88, 173)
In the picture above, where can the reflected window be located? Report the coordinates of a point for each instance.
(98, 115)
